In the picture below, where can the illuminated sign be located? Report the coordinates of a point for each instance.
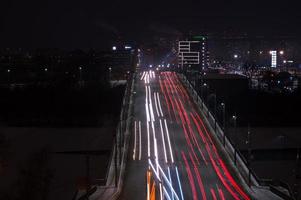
(186, 55)
(274, 58)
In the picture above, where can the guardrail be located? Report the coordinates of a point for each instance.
(235, 155)
(120, 148)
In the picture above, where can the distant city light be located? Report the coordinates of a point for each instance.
(150, 66)
(114, 48)
(45, 69)
(80, 68)
(8, 70)
(127, 47)
(281, 52)
(235, 56)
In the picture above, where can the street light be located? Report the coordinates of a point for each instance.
(234, 117)
(80, 75)
(281, 52)
(224, 122)
(110, 70)
(235, 56)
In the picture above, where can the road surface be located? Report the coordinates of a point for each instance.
(172, 153)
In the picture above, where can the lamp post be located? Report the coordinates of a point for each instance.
(8, 76)
(110, 71)
(80, 76)
(234, 117)
(202, 93)
(224, 122)
(248, 142)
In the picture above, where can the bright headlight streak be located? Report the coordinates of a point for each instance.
(148, 139)
(151, 105)
(168, 140)
(142, 77)
(159, 103)
(154, 137)
(156, 105)
(156, 154)
(140, 147)
(163, 140)
(161, 193)
(166, 193)
(147, 190)
(164, 176)
(135, 140)
(147, 113)
(151, 112)
(172, 196)
(168, 182)
(154, 170)
(178, 177)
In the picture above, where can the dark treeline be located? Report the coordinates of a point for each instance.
(59, 106)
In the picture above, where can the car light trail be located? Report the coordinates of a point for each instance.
(166, 194)
(198, 176)
(148, 140)
(148, 174)
(140, 145)
(161, 192)
(142, 77)
(135, 140)
(213, 194)
(172, 196)
(168, 183)
(163, 140)
(168, 140)
(159, 103)
(180, 185)
(221, 194)
(190, 177)
(156, 105)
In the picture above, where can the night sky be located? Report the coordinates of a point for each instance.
(86, 24)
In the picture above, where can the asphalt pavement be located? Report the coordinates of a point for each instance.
(172, 153)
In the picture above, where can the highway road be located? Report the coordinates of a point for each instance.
(172, 153)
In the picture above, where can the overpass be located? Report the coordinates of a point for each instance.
(173, 152)
(170, 150)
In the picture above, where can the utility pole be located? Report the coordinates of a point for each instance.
(224, 122)
(248, 142)
(297, 189)
(234, 138)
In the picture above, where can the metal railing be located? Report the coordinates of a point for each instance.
(235, 155)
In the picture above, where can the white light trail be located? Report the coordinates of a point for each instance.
(172, 196)
(169, 184)
(163, 140)
(156, 154)
(161, 193)
(142, 77)
(147, 113)
(168, 139)
(159, 103)
(164, 176)
(140, 145)
(156, 105)
(178, 177)
(135, 140)
(166, 193)
(148, 139)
